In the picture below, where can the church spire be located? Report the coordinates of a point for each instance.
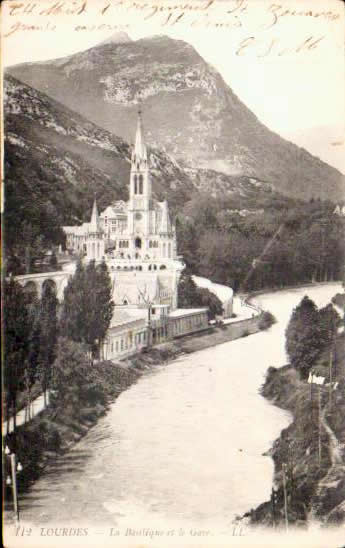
(94, 223)
(165, 225)
(140, 147)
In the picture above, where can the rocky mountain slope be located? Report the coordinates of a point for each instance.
(47, 142)
(56, 160)
(189, 111)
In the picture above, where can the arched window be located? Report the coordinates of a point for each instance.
(138, 243)
(162, 267)
(164, 250)
(135, 185)
(169, 250)
(141, 184)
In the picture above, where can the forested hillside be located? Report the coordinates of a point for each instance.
(267, 242)
(233, 229)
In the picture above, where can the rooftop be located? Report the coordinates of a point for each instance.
(181, 312)
(124, 315)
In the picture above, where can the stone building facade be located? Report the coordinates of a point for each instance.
(137, 239)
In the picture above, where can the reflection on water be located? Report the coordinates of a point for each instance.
(184, 444)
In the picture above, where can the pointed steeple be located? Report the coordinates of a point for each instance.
(165, 225)
(140, 147)
(94, 223)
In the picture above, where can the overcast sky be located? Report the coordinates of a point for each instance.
(291, 74)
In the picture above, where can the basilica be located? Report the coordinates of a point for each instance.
(137, 240)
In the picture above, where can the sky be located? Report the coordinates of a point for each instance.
(285, 61)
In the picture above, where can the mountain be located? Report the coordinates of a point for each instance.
(56, 160)
(189, 111)
(47, 142)
(116, 38)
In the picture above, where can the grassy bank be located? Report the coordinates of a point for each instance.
(311, 448)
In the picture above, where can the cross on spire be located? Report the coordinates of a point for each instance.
(140, 148)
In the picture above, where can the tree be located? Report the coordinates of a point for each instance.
(48, 335)
(100, 285)
(303, 343)
(16, 338)
(32, 370)
(187, 291)
(88, 308)
(329, 321)
(206, 298)
(190, 295)
(74, 383)
(74, 306)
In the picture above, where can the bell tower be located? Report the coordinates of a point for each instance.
(139, 184)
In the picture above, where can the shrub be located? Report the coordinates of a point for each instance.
(266, 320)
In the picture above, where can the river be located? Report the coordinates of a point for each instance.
(183, 446)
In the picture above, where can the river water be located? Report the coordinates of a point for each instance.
(183, 446)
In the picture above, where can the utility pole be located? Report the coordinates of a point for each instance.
(149, 325)
(319, 427)
(311, 397)
(14, 486)
(13, 480)
(285, 498)
(330, 378)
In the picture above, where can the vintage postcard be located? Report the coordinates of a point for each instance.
(173, 273)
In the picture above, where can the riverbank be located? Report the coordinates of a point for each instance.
(51, 434)
(311, 448)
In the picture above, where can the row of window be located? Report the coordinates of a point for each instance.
(128, 343)
(139, 267)
(123, 243)
(159, 333)
(186, 324)
(126, 268)
(180, 326)
(153, 244)
(115, 222)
